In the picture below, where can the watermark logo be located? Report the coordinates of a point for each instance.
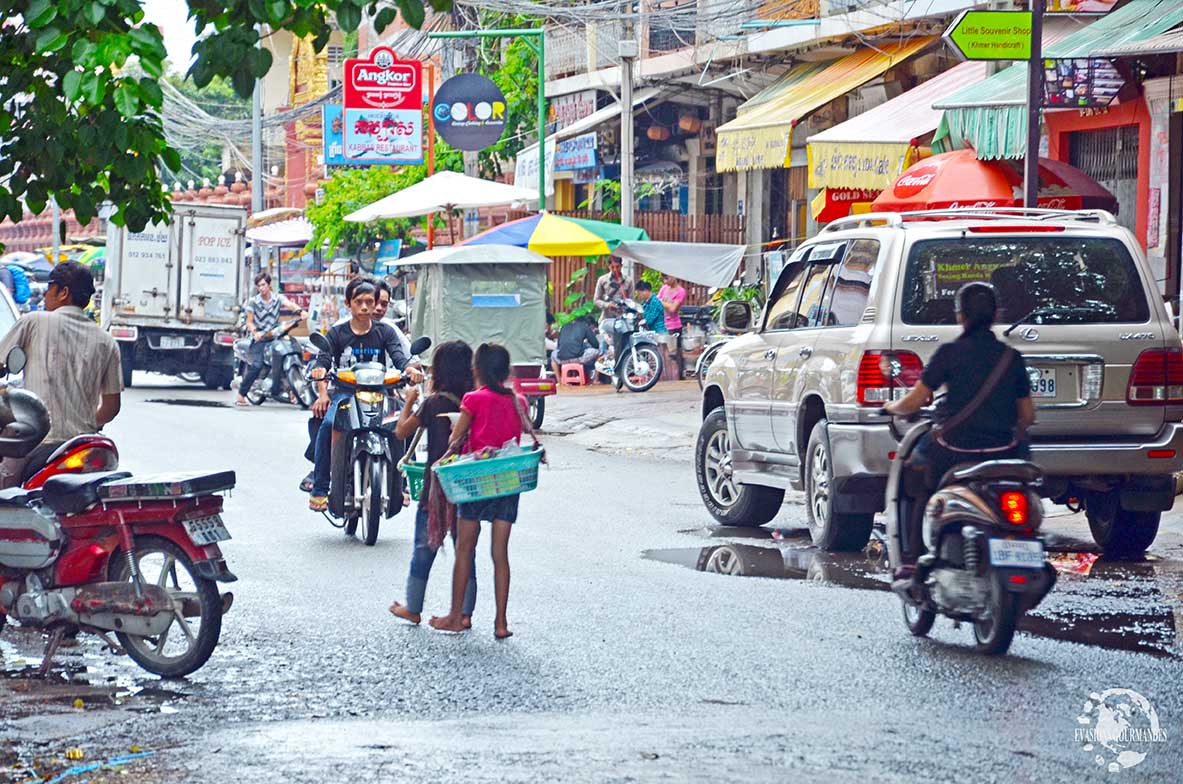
(1119, 727)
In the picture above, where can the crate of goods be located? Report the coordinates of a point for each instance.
(466, 481)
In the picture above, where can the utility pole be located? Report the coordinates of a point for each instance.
(56, 212)
(1034, 101)
(257, 144)
(628, 50)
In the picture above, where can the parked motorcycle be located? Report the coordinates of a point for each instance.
(983, 559)
(636, 362)
(107, 553)
(284, 351)
(365, 483)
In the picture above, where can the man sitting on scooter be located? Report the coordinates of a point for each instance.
(985, 414)
(358, 340)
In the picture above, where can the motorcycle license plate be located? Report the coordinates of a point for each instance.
(206, 530)
(1017, 553)
(1043, 384)
(169, 341)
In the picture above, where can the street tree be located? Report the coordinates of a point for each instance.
(80, 99)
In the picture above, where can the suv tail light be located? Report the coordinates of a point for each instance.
(125, 333)
(884, 376)
(1156, 378)
(224, 339)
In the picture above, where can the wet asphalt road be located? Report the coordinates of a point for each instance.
(628, 663)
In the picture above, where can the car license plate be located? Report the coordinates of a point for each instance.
(1043, 382)
(1020, 553)
(170, 341)
(206, 530)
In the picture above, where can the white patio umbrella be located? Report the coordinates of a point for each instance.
(443, 191)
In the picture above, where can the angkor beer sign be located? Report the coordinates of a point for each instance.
(383, 110)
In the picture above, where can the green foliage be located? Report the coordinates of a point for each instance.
(576, 303)
(609, 191)
(76, 124)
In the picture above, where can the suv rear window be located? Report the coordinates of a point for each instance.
(1071, 280)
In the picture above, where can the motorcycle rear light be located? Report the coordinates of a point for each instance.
(884, 376)
(125, 333)
(1014, 507)
(1018, 579)
(1156, 378)
(97, 551)
(224, 339)
(89, 460)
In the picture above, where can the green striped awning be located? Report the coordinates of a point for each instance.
(991, 115)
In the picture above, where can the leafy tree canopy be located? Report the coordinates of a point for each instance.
(79, 125)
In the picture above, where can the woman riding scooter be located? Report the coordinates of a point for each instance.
(984, 415)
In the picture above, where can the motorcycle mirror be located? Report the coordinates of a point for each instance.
(420, 345)
(16, 360)
(320, 341)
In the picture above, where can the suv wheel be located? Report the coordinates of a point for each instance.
(829, 530)
(728, 501)
(1121, 533)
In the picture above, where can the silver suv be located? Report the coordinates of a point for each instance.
(859, 309)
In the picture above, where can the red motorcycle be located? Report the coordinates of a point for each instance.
(109, 553)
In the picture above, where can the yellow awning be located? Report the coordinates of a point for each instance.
(760, 137)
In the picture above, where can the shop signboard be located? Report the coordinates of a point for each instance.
(991, 35)
(469, 112)
(587, 176)
(830, 204)
(1081, 83)
(569, 109)
(525, 170)
(333, 119)
(383, 110)
(1076, 7)
(387, 259)
(576, 153)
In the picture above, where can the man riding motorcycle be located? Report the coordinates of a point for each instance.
(984, 415)
(358, 340)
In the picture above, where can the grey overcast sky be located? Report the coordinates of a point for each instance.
(171, 17)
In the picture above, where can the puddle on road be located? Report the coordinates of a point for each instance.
(184, 401)
(1121, 605)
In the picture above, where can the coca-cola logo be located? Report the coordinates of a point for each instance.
(915, 180)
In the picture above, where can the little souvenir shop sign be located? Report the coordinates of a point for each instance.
(991, 35)
(383, 109)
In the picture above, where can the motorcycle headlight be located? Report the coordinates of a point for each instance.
(620, 325)
(373, 398)
(370, 377)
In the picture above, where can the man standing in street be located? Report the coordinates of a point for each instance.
(73, 366)
(262, 316)
(613, 284)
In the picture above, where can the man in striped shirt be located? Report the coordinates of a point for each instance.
(262, 316)
(73, 366)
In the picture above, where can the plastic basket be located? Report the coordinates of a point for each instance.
(478, 480)
(414, 472)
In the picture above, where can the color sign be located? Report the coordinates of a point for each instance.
(991, 35)
(382, 120)
(469, 112)
(577, 153)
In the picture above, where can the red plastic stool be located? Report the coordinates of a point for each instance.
(573, 374)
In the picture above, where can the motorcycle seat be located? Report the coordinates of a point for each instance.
(1017, 470)
(73, 493)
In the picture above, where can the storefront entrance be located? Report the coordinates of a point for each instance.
(1110, 156)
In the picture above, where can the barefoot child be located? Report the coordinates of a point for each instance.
(489, 417)
(451, 380)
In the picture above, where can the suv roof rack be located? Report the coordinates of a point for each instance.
(971, 213)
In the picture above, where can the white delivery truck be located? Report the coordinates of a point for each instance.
(174, 293)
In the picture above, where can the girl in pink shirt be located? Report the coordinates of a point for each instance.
(489, 417)
(672, 295)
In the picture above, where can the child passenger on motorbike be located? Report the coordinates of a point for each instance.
(357, 340)
(451, 380)
(994, 429)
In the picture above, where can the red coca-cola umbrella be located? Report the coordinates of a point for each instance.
(958, 179)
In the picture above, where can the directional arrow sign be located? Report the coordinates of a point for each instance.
(991, 35)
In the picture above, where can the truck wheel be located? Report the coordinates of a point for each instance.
(1121, 533)
(728, 501)
(127, 359)
(537, 411)
(829, 530)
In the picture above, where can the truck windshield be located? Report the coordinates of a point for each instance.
(1058, 280)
